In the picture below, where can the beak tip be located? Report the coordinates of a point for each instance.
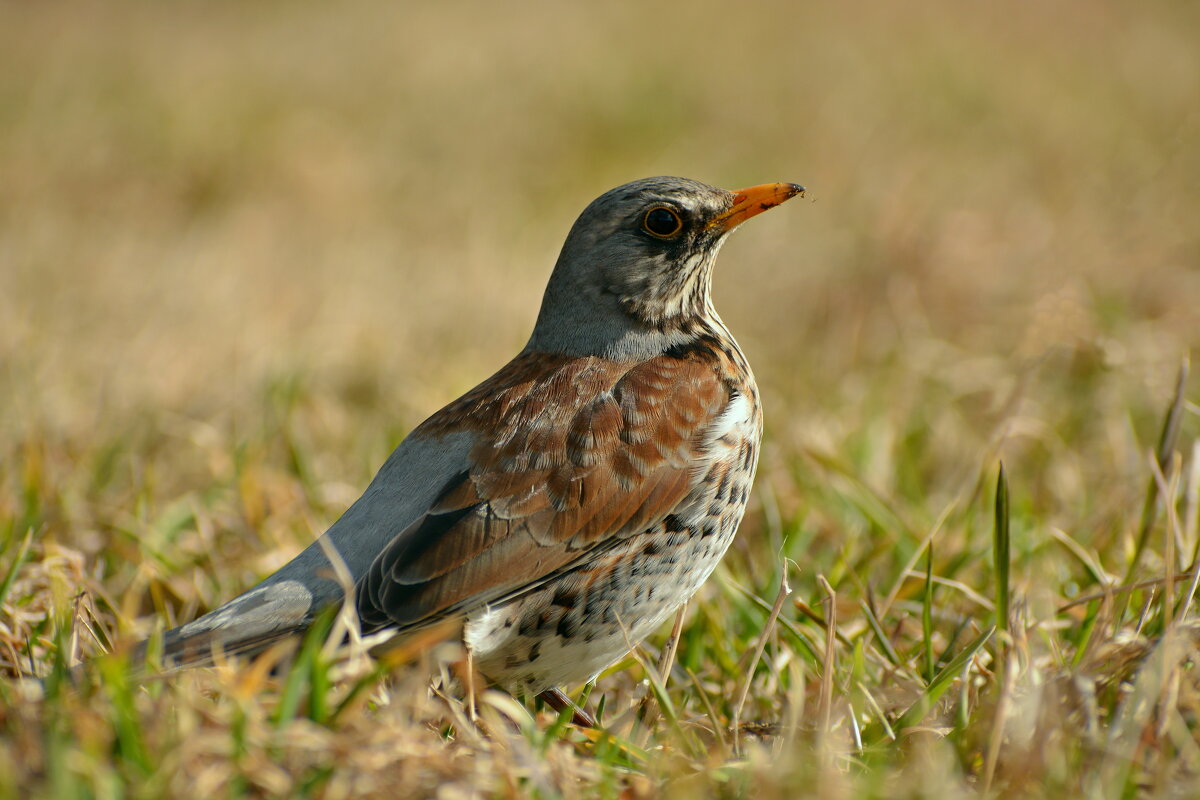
(754, 200)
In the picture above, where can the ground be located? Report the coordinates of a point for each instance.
(245, 248)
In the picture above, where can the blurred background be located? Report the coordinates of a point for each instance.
(245, 247)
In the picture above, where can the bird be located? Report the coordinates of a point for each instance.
(569, 504)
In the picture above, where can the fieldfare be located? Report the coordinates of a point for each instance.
(570, 503)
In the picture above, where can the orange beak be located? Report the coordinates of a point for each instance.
(755, 200)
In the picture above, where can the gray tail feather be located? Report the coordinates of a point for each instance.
(180, 651)
(277, 609)
(201, 649)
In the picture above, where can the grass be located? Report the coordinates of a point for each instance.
(243, 250)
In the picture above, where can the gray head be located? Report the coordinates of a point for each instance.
(636, 268)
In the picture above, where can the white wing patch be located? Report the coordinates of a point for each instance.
(735, 423)
(262, 609)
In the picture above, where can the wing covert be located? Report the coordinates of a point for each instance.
(570, 453)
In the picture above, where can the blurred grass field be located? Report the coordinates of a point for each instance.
(244, 248)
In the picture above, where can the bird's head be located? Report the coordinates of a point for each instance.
(639, 260)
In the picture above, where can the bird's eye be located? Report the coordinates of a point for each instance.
(662, 222)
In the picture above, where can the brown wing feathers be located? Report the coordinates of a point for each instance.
(571, 453)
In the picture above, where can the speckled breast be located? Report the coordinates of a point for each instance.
(581, 621)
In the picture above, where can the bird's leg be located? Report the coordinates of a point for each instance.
(470, 685)
(558, 700)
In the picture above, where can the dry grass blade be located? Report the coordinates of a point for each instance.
(784, 591)
(894, 592)
(825, 704)
(666, 660)
(999, 721)
(1123, 589)
(1167, 490)
(1192, 517)
(1088, 560)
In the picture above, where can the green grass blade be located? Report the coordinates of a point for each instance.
(1001, 551)
(1085, 633)
(927, 615)
(1168, 439)
(18, 562)
(885, 645)
(304, 673)
(937, 687)
(131, 747)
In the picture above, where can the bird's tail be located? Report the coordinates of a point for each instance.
(246, 626)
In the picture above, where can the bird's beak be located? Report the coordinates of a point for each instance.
(755, 200)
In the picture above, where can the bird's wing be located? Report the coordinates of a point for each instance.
(550, 457)
(568, 454)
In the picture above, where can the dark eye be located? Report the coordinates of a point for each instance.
(662, 222)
